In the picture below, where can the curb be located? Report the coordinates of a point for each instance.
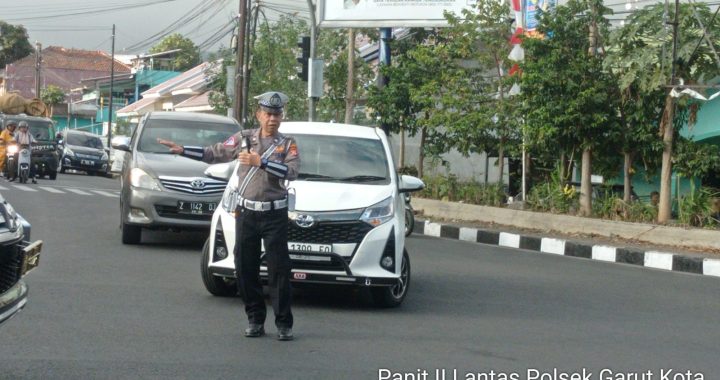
(651, 259)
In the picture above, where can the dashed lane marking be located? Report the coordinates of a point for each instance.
(105, 193)
(51, 189)
(78, 191)
(24, 188)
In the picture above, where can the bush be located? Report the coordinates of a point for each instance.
(698, 209)
(553, 197)
(473, 192)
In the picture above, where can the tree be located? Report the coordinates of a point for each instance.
(644, 49)
(14, 43)
(52, 95)
(188, 56)
(481, 116)
(569, 99)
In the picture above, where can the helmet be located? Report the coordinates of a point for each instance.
(23, 124)
(10, 123)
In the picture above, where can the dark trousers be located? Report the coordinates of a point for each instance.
(271, 226)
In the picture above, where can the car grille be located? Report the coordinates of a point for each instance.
(193, 185)
(329, 232)
(10, 266)
(334, 265)
(88, 156)
(171, 212)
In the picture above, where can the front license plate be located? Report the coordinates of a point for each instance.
(87, 162)
(198, 208)
(309, 247)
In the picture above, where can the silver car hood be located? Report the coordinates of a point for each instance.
(169, 165)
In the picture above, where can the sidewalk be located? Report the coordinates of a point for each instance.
(689, 250)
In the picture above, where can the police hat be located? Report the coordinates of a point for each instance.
(272, 101)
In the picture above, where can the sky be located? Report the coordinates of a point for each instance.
(139, 24)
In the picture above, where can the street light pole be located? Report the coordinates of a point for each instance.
(112, 82)
(313, 44)
(239, 62)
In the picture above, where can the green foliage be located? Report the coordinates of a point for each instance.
(609, 206)
(695, 160)
(472, 192)
(52, 95)
(218, 98)
(697, 208)
(553, 196)
(570, 101)
(14, 43)
(187, 58)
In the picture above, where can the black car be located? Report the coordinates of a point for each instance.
(83, 151)
(17, 257)
(44, 152)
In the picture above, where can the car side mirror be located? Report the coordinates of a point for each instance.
(409, 183)
(221, 172)
(121, 143)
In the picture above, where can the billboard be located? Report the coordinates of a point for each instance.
(387, 13)
(533, 8)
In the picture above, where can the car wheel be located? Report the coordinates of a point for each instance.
(393, 296)
(217, 286)
(52, 175)
(131, 234)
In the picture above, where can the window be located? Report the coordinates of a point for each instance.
(183, 132)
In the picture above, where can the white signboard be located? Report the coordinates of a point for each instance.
(387, 13)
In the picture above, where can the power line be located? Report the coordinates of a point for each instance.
(88, 12)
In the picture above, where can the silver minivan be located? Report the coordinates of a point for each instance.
(161, 190)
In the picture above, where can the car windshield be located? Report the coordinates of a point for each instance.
(183, 132)
(78, 139)
(342, 159)
(41, 130)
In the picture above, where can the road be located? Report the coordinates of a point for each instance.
(98, 309)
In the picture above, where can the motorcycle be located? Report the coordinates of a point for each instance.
(409, 215)
(21, 168)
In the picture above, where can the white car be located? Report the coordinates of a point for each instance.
(348, 221)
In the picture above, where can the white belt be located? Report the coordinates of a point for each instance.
(263, 206)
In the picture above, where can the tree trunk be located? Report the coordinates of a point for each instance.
(666, 128)
(402, 147)
(349, 92)
(562, 169)
(585, 184)
(422, 154)
(627, 175)
(501, 161)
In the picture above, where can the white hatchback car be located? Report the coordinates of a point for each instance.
(348, 220)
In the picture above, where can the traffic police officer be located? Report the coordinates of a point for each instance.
(266, 163)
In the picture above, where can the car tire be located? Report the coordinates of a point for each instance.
(409, 221)
(217, 286)
(131, 234)
(393, 296)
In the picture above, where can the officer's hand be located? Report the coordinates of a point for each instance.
(251, 159)
(174, 148)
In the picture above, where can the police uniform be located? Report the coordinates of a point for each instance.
(262, 212)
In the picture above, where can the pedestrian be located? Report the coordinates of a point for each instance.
(267, 159)
(7, 136)
(654, 199)
(24, 138)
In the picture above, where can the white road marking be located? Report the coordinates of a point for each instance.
(604, 253)
(509, 240)
(550, 245)
(104, 193)
(24, 188)
(468, 234)
(711, 267)
(51, 189)
(3, 188)
(76, 191)
(659, 260)
(432, 229)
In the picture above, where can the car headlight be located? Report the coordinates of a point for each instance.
(379, 213)
(104, 157)
(69, 152)
(9, 215)
(140, 179)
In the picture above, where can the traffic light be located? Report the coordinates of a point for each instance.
(304, 44)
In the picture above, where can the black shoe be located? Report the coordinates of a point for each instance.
(285, 333)
(34, 180)
(255, 330)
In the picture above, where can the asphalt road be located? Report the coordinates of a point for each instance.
(98, 309)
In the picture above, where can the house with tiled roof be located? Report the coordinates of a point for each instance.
(187, 92)
(66, 69)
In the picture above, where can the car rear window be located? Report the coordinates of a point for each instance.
(84, 140)
(342, 159)
(183, 132)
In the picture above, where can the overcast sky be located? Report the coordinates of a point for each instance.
(87, 24)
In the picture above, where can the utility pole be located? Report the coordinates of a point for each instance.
(385, 37)
(38, 63)
(248, 69)
(239, 62)
(112, 80)
(349, 96)
(313, 43)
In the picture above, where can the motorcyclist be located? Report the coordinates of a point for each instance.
(24, 138)
(6, 137)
